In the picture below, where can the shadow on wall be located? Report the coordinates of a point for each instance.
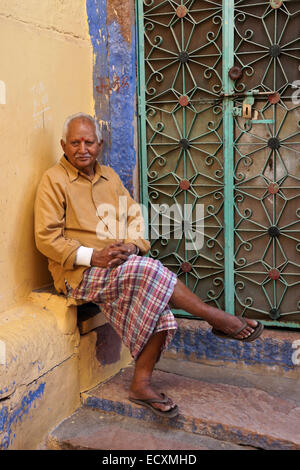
(31, 267)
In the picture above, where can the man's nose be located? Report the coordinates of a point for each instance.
(82, 147)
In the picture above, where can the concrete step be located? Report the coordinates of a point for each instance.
(89, 429)
(241, 415)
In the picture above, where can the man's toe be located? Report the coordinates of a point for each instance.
(252, 323)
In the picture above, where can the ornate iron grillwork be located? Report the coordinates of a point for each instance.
(267, 169)
(183, 68)
(187, 89)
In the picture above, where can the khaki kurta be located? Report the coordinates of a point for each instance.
(73, 211)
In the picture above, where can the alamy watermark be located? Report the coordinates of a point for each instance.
(165, 222)
(296, 353)
(177, 222)
(296, 93)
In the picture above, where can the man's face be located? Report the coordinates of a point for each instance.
(82, 147)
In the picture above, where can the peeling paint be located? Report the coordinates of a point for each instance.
(96, 13)
(122, 57)
(203, 344)
(114, 81)
(120, 12)
(10, 418)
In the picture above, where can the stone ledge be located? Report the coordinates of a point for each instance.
(64, 310)
(27, 417)
(41, 338)
(34, 344)
(69, 312)
(101, 353)
(271, 353)
(40, 363)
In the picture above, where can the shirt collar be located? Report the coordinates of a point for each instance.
(74, 173)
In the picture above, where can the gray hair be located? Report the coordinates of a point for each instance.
(81, 116)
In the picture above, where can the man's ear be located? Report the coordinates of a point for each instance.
(100, 147)
(63, 145)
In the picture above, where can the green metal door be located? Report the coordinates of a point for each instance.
(219, 119)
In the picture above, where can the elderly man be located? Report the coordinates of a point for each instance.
(83, 230)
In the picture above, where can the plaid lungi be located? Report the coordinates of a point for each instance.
(134, 298)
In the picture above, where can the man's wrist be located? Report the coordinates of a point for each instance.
(84, 256)
(136, 249)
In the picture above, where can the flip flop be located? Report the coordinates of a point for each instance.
(258, 329)
(148, 403)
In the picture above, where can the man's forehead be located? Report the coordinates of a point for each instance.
(80, 126)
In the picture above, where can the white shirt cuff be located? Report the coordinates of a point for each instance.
(84, 256)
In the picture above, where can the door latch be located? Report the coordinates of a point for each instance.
(247, 112)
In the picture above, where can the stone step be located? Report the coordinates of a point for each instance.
(276, 385)
(273, 353)
(89, 429)
(241, 415)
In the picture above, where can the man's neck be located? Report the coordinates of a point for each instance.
(87, 171)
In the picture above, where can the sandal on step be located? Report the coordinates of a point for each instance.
(148, 403)
(258, 329)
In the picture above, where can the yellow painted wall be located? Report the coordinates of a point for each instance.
(46, 74)
(46, 69)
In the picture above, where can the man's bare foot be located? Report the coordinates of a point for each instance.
(183, 299)
(142, 390)
(229, 324)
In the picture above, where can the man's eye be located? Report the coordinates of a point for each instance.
(75, 143)
(88, 142)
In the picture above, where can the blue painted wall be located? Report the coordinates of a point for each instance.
(114, 83)
(9, 418)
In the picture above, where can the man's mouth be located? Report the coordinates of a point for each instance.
(82, 157)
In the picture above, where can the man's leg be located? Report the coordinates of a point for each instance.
(141, 384)
(182, 298)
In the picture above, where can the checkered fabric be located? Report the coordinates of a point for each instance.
(134, 298)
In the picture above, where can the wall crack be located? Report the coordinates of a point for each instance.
(45, 28)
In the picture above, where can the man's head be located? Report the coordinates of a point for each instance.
(81, 141)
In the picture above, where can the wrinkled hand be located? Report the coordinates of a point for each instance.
(112, 255)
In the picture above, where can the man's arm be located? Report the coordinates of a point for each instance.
(133, 241)
(49, 213)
